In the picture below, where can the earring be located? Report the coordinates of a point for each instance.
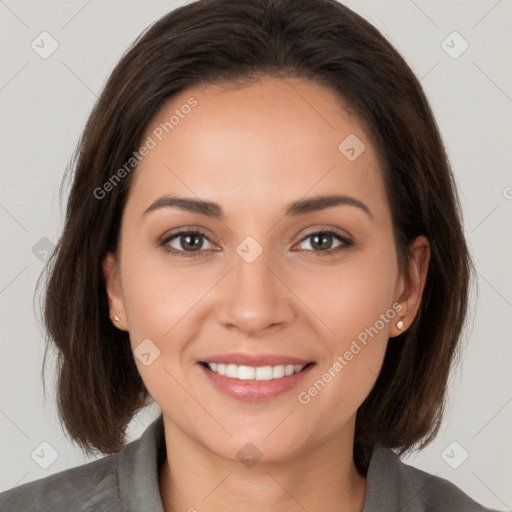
(400, 324)
(116, 319)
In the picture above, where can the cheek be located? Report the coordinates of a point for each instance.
(159, 294)
(159, 302)
(355, 302)
(352, 296)
(165, 303)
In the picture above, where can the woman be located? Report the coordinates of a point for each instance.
(262, 236)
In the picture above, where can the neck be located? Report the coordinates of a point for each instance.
(323, 479)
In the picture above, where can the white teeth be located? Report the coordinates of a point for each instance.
(246, 373)
(255, 373)
(232, 371)
(263, 373)
(278, 371)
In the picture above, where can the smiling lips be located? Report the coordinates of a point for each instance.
(255, 373)
(254, 377)
(254, 366)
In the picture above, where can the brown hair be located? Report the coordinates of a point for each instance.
(99, 387)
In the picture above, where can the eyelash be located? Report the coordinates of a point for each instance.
(346, 243)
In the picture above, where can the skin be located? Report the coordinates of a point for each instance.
(253, 150)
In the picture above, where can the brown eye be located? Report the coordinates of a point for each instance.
(192, 242)
(322, 242)
(185, 242)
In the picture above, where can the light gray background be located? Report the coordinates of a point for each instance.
(44, 104)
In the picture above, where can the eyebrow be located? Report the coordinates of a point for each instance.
(213, 210)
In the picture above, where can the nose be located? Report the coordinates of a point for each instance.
(255, 298)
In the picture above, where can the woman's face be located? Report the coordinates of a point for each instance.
(263, 286)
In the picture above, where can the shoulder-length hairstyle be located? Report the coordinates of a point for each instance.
(99, 388)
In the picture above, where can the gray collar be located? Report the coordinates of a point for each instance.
(138, 470)
(391, 484)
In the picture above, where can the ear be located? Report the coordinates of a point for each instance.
(410, 285)
(110, 267)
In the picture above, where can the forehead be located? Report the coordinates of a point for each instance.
(266, 141)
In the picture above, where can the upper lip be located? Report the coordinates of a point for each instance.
(254, 359)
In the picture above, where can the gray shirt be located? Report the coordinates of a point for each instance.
(128, 482)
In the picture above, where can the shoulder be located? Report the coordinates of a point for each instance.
(127, 481)
(91, 486)
(394, 485)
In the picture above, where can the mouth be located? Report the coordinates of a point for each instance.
(254, 378)
(258, 373)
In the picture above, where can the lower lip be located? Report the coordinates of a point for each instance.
(254, 390)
